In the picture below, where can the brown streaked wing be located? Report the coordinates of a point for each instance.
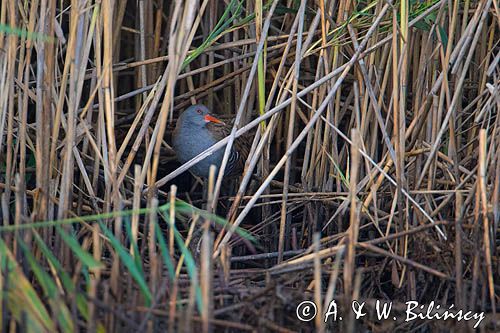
(242, 145)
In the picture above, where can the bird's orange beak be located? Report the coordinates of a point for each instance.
(208, 118)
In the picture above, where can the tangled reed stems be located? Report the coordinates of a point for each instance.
(374, 173)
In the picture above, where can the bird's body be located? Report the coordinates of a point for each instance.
(196, 131)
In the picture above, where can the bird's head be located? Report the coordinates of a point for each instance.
(198, 115)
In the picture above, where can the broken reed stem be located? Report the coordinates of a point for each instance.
(482, 181)
(354, 221)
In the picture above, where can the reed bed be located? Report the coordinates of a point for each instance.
(374, 172)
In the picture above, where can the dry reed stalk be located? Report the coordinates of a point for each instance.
(90, 88)
(244, 97)
(290, 135)
(300, 137)
(353, 231)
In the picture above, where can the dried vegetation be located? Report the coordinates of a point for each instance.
(374, 173)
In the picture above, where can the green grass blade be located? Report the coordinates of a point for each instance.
(26, 34)
(50, 290)
(85, 257)
(186, 209)
(164, 251)
(135, 271)
(63, 276)
(188, 261)
(21, 298)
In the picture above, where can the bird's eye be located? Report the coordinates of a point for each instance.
(198, 111)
